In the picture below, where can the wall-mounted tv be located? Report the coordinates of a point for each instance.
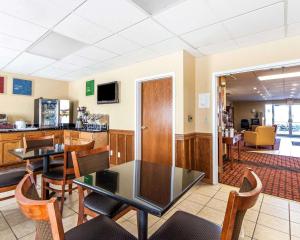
(108, 93)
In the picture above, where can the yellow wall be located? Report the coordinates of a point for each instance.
(283, 50)
(22, 107)
(122, 114)
(242, 110)
(189, 92)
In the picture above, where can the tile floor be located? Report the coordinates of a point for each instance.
(271, 218)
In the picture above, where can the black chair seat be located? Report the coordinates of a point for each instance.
(100, 227)
(57, 174)
(103, 205)
(37, 165)
(12, 177)
(185, 226)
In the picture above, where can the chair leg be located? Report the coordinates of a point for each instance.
(44, 184)
(70, 189)
(62, 200)
(34, 177)
(273, 147)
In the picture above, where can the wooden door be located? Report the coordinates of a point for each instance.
(156, 121)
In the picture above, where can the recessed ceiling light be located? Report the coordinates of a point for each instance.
(292, 89)
(294, 84)
(56, 46)
(258, 91)
(155, 6)
(279, 76)
(261, 94)
(254, 88)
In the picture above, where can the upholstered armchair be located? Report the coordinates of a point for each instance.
(262, 136)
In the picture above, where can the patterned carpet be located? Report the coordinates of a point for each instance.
(280, 175)
(280, 183)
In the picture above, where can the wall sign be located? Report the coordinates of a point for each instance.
(89, 87)
(22, 87)
(1, 84)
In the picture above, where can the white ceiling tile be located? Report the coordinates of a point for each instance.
(207, 36)
(41, 12)
(293, 29)
(95, 54)
(258, 21)
(231, 8)
(13, 43)
(146, 33)
(114, 15)
(293, 11)
(187, 16)
(218, 48)
(77, 61)
(170, 46)
(65, 66)
(28, 63)
(83, 72)
(49, 72)
(80, 29)
(262, 37)
(117, 44)
(6, 55)
(20, 29)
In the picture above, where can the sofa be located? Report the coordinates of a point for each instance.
(262, 136)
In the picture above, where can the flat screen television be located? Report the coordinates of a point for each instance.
(108, 93)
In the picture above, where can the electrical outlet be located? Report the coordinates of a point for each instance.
(119, 154)
(111, 152)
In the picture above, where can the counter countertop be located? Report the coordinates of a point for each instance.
(48, 129)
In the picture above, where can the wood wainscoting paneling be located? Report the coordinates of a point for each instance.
(194, 151)
(121, 144)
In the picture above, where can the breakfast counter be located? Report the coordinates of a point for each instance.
(13, 138)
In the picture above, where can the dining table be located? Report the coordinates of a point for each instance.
(150, 188)
(43, 152)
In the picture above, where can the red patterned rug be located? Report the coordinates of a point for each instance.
(280, 175)
(272, 160)
(280, 183)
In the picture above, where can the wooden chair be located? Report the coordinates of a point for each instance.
(65, 175)
(94, 204)
(35, 166)
(183, 225)
(9, 181)
(47, 217)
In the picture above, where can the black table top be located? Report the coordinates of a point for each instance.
(147, 186)
(26, 154)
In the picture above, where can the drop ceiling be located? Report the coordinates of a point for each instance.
(115, 33)
(247, 87)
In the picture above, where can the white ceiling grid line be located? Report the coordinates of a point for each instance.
(120, 32)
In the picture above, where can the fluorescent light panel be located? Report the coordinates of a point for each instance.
(279, 76)
(56, 46)
(155, 6)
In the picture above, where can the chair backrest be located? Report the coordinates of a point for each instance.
(38, 142)
(239, 203)
(91, 161)
(267, 130)
(45, 213)
(245, 123)
(68, 149)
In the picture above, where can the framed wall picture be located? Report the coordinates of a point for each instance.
(90, 88)
(22, 87)
(2, 84)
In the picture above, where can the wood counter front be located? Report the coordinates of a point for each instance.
(14, 140)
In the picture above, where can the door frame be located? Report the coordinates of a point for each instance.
(138, 112)
(214, 101)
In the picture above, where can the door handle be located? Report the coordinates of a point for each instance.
(144, 127)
